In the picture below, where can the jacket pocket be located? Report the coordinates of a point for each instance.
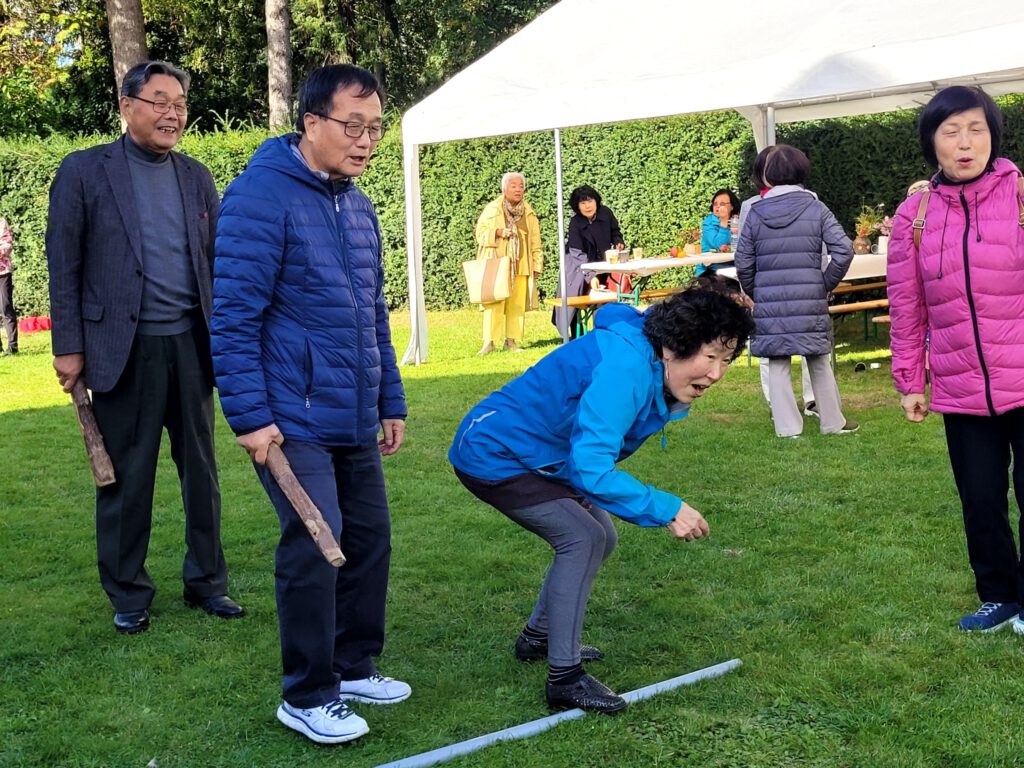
(93, 312)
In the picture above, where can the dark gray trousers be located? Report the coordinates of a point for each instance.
(167, 384)
(583, 537)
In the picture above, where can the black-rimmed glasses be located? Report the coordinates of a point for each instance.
(162, 107)
(355, 130)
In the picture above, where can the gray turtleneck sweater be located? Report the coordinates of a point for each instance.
(169, 290)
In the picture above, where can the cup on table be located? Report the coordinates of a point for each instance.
(638, 253)
(612, 256)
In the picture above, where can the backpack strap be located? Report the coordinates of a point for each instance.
(1020, 199)
(922, 207)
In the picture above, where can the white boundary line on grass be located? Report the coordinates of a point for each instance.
(534, 727)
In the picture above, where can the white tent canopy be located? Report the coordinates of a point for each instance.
(587, 62)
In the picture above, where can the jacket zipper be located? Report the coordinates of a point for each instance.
(970, 303)
(355, 305)
(309, 369)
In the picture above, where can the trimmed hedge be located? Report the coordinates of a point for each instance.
(657, 176)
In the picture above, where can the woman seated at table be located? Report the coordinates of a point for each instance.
(714, 231)
(592, 230)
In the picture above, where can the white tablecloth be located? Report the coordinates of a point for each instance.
(645, 267)
(863, 266)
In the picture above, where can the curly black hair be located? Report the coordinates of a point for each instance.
(700, 314)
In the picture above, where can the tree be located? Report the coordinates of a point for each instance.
(127, 36)
(279, 63)
(57, 56)
(50, 50)
(412, 45)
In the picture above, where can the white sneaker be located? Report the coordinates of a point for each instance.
(1018, 624)
(375, 689)
(332, 723)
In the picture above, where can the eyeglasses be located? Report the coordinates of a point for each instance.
(356, 130)
(721, 204)
(163, 107)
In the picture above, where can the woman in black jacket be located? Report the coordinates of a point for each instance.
(592, 230)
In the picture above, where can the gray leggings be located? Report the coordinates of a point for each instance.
(582, 538)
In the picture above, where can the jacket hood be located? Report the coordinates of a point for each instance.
(627, 322)
(280, 154)
(783, 208)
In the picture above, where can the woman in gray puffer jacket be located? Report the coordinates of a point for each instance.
(779, 263)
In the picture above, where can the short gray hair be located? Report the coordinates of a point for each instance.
(509, 176)
(136, 78)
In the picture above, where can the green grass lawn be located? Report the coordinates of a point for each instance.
(836, 570)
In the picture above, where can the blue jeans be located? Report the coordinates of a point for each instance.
(331, 619)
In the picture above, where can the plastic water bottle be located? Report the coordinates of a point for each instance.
(734, 233)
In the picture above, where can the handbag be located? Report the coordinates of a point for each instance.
(488, 280)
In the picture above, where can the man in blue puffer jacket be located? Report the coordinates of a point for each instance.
(303, 357)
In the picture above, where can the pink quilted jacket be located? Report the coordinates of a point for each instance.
(965, 289)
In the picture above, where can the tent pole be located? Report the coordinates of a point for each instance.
(416, 352)
(563, 320)
(769, 126)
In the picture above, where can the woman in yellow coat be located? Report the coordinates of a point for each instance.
(509, 227)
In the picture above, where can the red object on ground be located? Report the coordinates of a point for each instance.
(33, 324)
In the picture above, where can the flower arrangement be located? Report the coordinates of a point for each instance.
(885, 226)
(869, 221)
(687, 236)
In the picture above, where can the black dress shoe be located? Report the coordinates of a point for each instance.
(131, 622)
(537, 650)
(587, 693)
(220, 606)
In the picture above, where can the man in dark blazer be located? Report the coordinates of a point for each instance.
(129, 244)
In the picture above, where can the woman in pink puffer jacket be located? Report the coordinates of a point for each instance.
(962, 292)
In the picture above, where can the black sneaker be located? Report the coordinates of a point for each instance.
(587, 693)
(537, 650)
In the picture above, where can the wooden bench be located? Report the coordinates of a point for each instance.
(658, 293)
(585, 307)
(856, 306)
(858, 287)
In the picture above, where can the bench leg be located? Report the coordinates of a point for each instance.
(583, 320)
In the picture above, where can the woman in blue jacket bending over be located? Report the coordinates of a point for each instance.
(543, 451)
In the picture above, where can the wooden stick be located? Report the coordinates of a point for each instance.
(279, 467)
(99, 459)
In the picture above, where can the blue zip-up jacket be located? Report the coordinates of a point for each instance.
(300, 333)
(712, 237)
(573, 415)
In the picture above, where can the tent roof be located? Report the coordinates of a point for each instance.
(587, 62)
